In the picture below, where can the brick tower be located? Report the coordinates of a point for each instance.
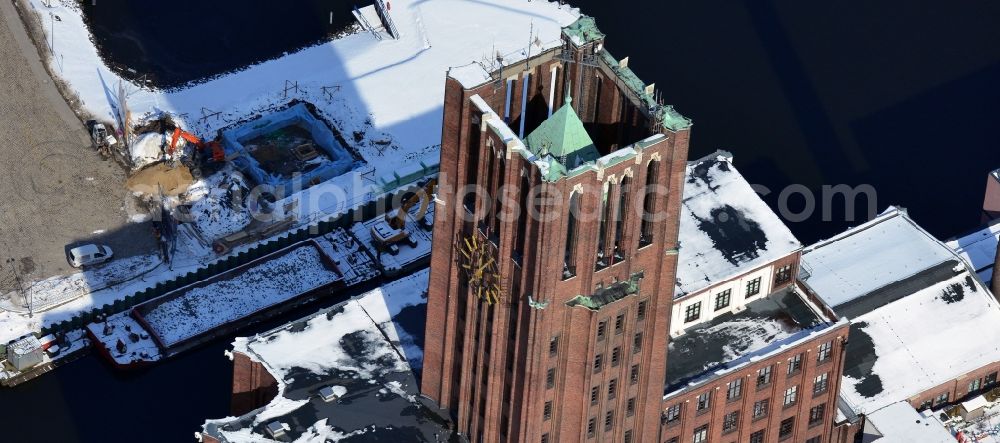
(580, 172)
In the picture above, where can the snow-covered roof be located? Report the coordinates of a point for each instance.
(363, 348)
(767, 325)
(900, 423)
(861, 260)
(978, 249)
(920, 341)
(725, 227)
(977, 402)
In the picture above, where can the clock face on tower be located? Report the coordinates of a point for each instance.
(477, 259)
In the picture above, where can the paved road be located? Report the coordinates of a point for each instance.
(54, 189)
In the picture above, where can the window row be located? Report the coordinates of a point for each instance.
(612, 217)
(616, 353)
(602, 326)
(722, 300)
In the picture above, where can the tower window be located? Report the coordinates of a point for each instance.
(623, 198)
(648, 204)
(550, 378)
(637, 343)
(612, 388)
(640, 314)
(633, 375)
(616, 356)
(609, 420)
(554, 345)
(547, 412)
(619, 323)
(602, 233)
(591, 425)
(572, 225)
(598, 362)
(602, 329)
(594, 393)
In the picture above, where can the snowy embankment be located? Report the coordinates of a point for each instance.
(391, 91)
(266, 284)
(386, 95)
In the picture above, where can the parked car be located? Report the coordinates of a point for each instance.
(88, 255)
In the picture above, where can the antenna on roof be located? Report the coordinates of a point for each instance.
(531, 32)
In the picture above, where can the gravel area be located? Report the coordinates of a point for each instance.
(54, 189)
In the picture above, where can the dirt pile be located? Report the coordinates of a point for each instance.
(173, 180)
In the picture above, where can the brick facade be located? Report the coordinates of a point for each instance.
(490, 364)
(712, 418)
(253, 385)
(958, 389)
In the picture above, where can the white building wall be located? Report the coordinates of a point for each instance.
(706, 297)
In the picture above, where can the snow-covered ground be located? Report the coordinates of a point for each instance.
(54, 291)
(390, 92)
(982, 430)
(265, 284)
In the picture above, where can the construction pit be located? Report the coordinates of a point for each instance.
(288, 150)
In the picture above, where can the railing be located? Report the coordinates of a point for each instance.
(383, 13)
(366, 24)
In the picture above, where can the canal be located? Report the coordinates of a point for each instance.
(897, 95)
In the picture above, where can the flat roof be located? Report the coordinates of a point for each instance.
(920, 341)
(861, 260)
(900, 423)
(726, 229)
(364, 348)
(979, 249)
(734, 338)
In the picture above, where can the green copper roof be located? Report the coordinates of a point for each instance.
(562, 135)
(583, 30)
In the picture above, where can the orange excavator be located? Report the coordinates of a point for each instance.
(218, 154)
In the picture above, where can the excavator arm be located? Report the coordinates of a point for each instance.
(189, 137)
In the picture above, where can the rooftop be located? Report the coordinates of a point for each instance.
(726, 229)
(920, 341)
(362, 349)
(733, 339)
(900, 423)
(583, 30)
(563, 136)
(856, 263)
(979, 249)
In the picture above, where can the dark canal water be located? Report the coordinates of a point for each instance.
(899, 95)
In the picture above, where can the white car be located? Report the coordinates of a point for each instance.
(88, 255)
